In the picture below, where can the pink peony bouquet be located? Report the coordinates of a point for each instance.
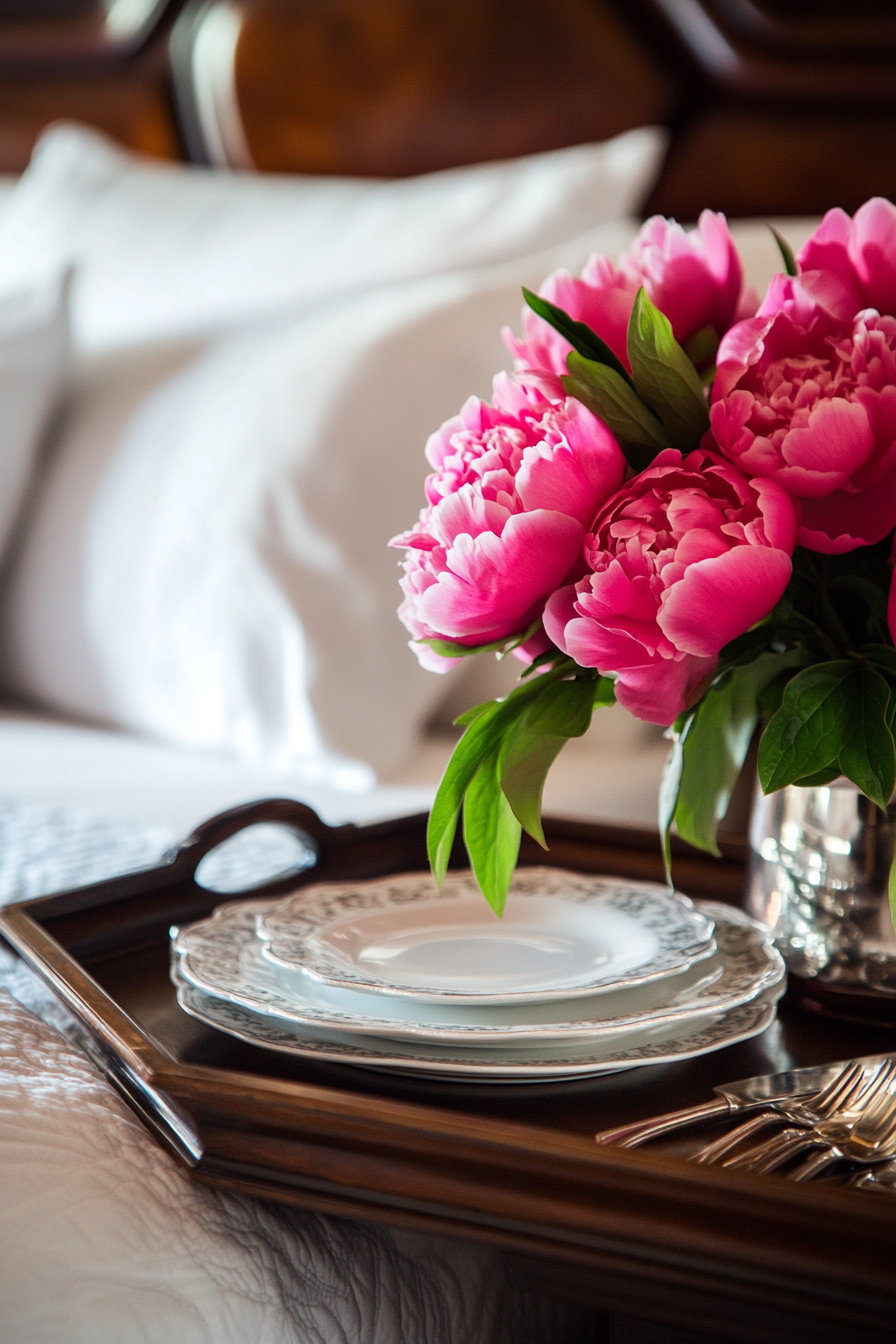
(682, 499)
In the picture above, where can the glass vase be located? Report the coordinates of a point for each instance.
(819, 863)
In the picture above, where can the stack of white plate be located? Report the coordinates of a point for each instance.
(583, 975)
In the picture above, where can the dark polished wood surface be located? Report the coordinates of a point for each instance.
(106, 65)
(773, 107)
(401, 87)
(638, 1232)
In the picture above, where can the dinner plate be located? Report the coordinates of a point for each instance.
(546, 1064)
(563, 935)
(222, 957)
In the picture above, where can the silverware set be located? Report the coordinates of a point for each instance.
(847, 1123)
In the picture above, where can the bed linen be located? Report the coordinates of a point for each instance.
(168, 249)
(34, 355)
(610, 775)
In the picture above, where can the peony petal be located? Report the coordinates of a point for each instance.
(740, 348)
(800, 481)
(719, 599)
(466, 513)
(556, 481)
(492, 584)
(658, 694)
(558, 612)
(778, 514)
(837, 438)
(873, 253)
(841, 522)
(430, 660)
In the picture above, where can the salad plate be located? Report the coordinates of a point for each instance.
(222, 958)
(563, 935)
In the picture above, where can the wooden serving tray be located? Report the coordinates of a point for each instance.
(639, 1232)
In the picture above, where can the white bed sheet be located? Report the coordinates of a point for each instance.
(612, 775)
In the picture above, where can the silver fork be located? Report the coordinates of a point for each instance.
(837, 1126)
(840, 1093)
(873, 1139)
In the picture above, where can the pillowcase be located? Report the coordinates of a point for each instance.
(207, 559)
(164, 250)
(34, 345)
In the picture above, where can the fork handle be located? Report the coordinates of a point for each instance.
(713, 1151)
(774, 1152)
(630, 1136)
(807, 1170)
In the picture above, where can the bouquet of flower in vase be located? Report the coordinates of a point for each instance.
(683, 499)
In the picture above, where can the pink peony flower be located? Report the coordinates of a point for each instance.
(515, 487)
(688, 555)
(850, 264)
(695, 278)
(811, 404)
(603, 299)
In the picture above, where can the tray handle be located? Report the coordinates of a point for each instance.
(186, 857)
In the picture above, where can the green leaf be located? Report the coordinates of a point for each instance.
(868, 755)
(820, 778)
(882, 655)
(487, 725)
(716, 746)
(789, 260)
(465, 760)
(473, 713)
(664, 377)
(447, 649)
(805, 735)
(564, 711)
(771, 697)
(579, 335)
(702, 346)
(834, 719)
(491, 833)
(745, 647)
(640, 434)
(552, 656)
(604, 692)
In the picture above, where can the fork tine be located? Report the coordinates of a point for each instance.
(878, 1094)
(840, 1090)
(869, 1095)
(880, 1112)
(867, 1086)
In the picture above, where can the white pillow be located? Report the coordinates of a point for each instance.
(34, 348)
(166, 250)
(207, 561)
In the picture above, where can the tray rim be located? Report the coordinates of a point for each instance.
(640, 1221)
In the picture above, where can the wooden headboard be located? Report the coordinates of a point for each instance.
(775, 106)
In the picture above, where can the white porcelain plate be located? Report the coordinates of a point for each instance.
(221, 956)
(546, 1064)
(563, 935)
